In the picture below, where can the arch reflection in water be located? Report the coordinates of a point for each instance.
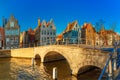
(55, 59)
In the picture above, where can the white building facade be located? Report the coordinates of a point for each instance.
(46, 33)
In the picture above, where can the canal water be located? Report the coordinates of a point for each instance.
(21, 69)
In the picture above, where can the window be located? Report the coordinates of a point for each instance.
(11, 24)
(50, 26)
(44, 32)
(72, 33)
(54, 33)
(48, 33)
(43, 26)
(7, 32)
(76, 25)
(42, 39)
(45, 38)
(7, 39)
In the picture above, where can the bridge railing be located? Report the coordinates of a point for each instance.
(66, 42)
(112, 64)
(106, 67)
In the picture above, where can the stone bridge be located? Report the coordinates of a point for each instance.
(76, 57)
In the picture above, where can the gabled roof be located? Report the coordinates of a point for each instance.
(107, 31)
(70, 26)
(30, 31)
(88, 26)
(46, 24)
(59, 37)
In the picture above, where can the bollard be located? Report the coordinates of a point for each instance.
(54, 73)
(32, 62)
(110, 70)
(115, 65)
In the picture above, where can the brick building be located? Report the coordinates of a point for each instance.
(2, 37)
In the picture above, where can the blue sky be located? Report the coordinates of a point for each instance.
(61, 11)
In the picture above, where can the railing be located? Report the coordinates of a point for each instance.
(106, 66)
(112, 64)
(66, 41)
(118, 59)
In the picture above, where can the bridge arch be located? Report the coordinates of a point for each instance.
(75, 57)
(88, 65)
(58, 52)
(89, 70)
(53, 56)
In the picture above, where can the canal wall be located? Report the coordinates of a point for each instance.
(22, 52)
(5, 53)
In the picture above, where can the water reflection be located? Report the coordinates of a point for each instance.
(21, 69)
(62, 67)
(4, 72)
(37, 62)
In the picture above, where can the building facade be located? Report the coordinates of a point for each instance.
(31, 38)
(45, 33)
(21, 40)
(2, 38)
(59, 39)
(88, 34)
(108, 37)
(25, 39)
(72, 33)
(12, 33)
(37, 33)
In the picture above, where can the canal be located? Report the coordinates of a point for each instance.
(21, 69)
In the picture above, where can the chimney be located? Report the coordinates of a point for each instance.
(4, 21)
(38, 21)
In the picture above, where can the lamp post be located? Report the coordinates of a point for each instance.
(78, 38)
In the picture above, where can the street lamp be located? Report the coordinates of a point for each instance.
(79, 36)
